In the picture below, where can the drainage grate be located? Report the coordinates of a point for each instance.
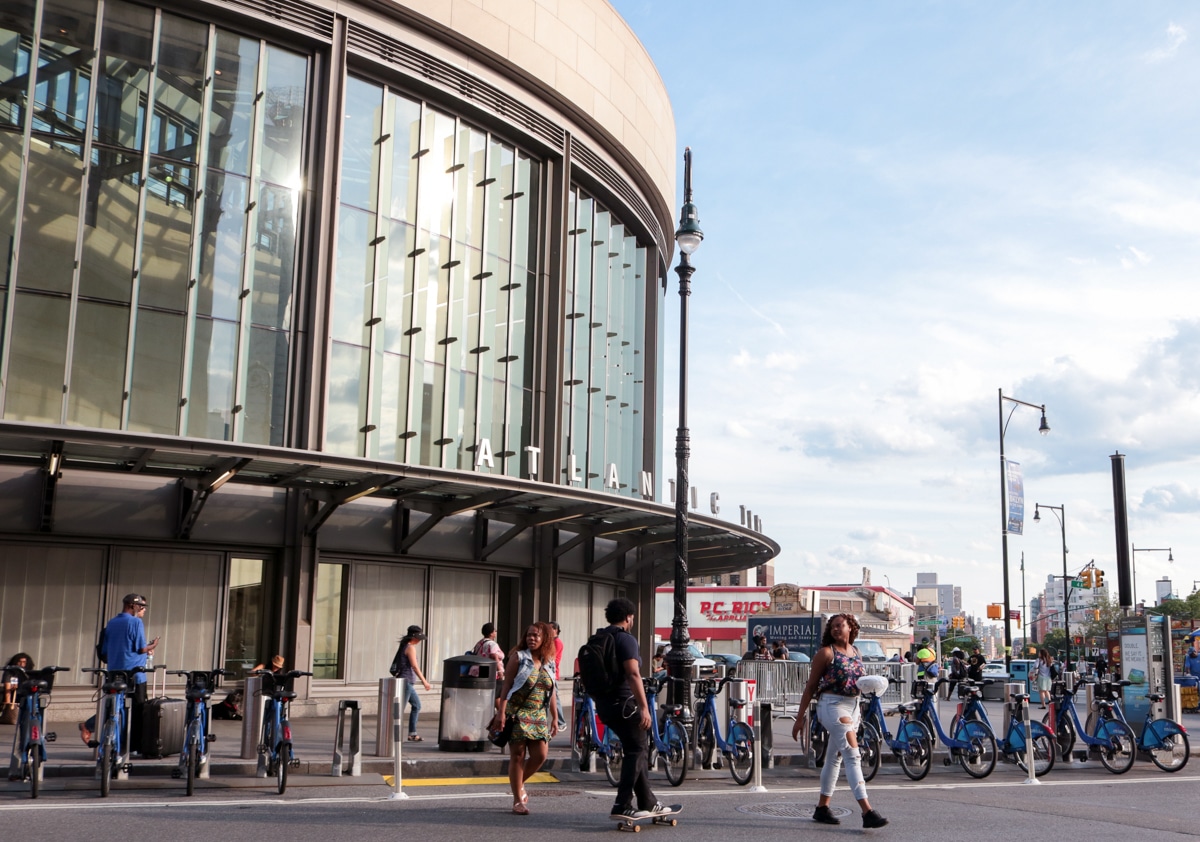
(786, 810)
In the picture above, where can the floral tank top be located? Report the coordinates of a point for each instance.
(842, 675)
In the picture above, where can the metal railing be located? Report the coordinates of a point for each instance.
(781, 683)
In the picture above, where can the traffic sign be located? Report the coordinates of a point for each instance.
(929, 621)
(1077, 583)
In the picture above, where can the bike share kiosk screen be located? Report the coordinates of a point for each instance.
(1146, 662)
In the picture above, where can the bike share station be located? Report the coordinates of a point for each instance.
(1147, 662)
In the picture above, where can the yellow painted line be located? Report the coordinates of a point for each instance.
(538, 778)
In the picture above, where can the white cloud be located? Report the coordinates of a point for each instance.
(738, 430)
(1176, 35)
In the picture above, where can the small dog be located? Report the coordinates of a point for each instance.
(230, 707)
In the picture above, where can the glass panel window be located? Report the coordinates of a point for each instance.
(266, 387)
(167, 236)
(51, 216)
(110, 226)
(98, 365)
(346, 412)
(246, 620)
(16, 36)
(282, 118)
(274, 256)
(10, 180)
(157, 372)
(38, 359)
(222, 244)
(210, 397)
(122, 86)
(179, 88)
(235, 81)
(64, 73)
(329, 617)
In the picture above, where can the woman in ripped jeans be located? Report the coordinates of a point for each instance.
(833, 681)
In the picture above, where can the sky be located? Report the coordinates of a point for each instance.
(907, 208)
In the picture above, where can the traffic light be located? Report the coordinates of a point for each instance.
(995, 611)
(1095, 613)
(1099, 578)
(1087, 578)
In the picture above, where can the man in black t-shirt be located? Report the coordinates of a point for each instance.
(626, 712)
(975, 665)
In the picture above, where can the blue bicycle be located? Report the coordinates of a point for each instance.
(668, 741)
(29, 741)
(197, 729)
(1013, 745)
(739, 748)
(913, 745)
(1106, 734)
(585, 741)
(1165, 740)
(972, 746)
(113, 743)
(275, 747)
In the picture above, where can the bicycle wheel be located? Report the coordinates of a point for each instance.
(1044, 750)
(869, 749)
(706, 740)
(613, 759)
(675, 758)
(584, 740)
(818, 738)
(192, 759)
(979, 760)
(282, 761)
(741, 754)
(916, 751)
(1064, 733)
(1169, 745)
(106, 764)
(35, 769)
(1118, 752)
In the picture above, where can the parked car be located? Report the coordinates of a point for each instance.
(995, 670)
(871, 651)
(799, 656)
(728, 659)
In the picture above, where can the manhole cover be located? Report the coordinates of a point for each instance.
(786, 810)
(553, 793)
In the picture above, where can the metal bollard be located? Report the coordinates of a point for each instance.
(348, 706)
(389, 691)
(252, 704)
(397, 769)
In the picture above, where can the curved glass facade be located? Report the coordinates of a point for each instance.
(151, 247)
(150, 244)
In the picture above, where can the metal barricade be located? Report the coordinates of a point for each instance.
(777, 683)
(355, 768)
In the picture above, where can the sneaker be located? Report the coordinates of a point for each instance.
(825, 816)
(628, 812)
(661, 809)
(871, 818)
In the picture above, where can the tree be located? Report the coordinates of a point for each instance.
(965, 642)
(1056, 641)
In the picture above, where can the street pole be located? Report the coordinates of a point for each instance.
(1060, 512)
(1044, 429)
(678, 660)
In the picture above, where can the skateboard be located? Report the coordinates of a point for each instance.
(662, 818)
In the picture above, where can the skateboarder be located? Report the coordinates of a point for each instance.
(625, 711)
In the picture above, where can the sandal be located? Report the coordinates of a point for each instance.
(520, 809)
(415, 738)
(524, 797)
(85, 735)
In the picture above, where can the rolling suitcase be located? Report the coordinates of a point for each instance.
(162, 721)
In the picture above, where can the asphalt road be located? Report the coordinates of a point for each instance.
(1081, 802)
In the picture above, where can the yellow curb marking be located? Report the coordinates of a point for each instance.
(538, 778)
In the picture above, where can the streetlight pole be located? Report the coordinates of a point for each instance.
(1060, 512)
(1133, 563)
(1044, 429)
(678, 660)
(1024, 608)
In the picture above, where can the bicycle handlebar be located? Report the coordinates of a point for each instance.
(107, 671)
(29, 673)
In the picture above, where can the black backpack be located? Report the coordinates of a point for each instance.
(599, 669)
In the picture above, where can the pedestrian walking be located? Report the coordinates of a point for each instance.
(833, 681)
(406, 666)
(529, 699)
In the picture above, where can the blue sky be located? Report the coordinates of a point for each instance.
(906, 207)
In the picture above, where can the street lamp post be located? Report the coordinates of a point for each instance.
(1024, 608)
(1060, 512)
(678, 660)
(1133, 563)
(1044, 429)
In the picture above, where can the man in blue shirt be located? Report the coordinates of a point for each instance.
(125, 647)
(1191, 661)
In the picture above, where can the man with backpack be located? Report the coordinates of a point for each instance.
(610, 668)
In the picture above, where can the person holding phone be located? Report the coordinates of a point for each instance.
(126, 647)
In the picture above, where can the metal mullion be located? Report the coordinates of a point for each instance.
(249, 240)
(88, 133)
(450, 258)
(201, 184)
(416, 217)
(140, 229)
(480, 327)
(512, 240)
(10, 304)
(383, 143)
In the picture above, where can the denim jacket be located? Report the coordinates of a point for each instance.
(524, 670)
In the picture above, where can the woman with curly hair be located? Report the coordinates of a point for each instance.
(833, 681)
(528, 696)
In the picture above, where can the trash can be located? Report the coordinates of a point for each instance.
(468, 703)
(1189, 700)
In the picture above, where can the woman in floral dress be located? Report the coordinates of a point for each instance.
(529, 696)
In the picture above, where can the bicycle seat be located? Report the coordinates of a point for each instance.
(116, 685)
(1155, 697)
(907, 707)
(283, 695)
(1020, 697)
(196, 694)
(737, 703)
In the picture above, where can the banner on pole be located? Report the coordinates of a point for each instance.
(1016, 497)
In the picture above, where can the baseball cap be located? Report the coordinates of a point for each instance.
(134, 599)
(416, 633)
